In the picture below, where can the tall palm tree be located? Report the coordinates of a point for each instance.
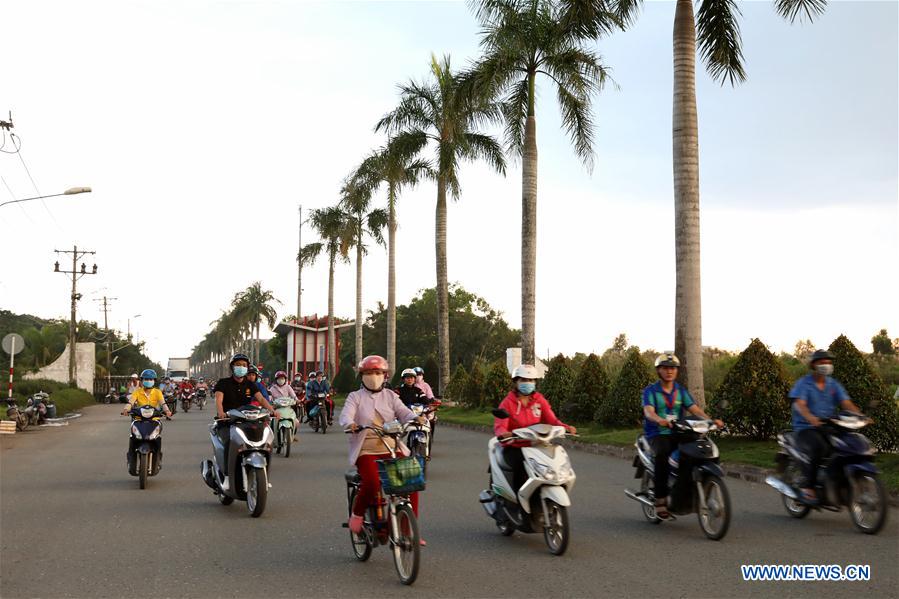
(524, 40)
(444, 113)
(252, 306)
(362, 222)
(716, 28)
(396, 166)
(331, 224)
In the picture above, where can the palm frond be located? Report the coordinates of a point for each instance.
(718, 37)
(578, 122)
(803, 9)
(515, 114)
(478, 146)
(376, 222)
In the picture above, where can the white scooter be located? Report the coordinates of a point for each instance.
(541, 505)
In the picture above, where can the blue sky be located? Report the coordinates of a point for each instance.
(229, 114)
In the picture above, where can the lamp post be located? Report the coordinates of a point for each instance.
(135, 317)
(69, 192)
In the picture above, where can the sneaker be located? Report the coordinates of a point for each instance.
(356, 524)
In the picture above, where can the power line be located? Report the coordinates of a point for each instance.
(28, 216)
(28, 172)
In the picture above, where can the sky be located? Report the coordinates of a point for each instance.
(202, 126)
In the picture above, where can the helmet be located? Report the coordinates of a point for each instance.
(408, 372)
(312, 374)
(149, 373)
(419, 370)
(820, 354)
(253, 369)
(280, 374)
(373, 363)
(525, 371)
(668, 359)
(134, 376)
(237, 357)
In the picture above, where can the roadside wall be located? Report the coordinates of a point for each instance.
(85, 360)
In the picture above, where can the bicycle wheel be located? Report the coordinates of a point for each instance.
(361, 545)
(406, 547)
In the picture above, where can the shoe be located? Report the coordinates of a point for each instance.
(662, 511)
(356, 524)
(422, 542)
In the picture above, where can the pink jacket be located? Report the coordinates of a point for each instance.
(425, 387)
(537, 412)
(360, 408)
(284, 390)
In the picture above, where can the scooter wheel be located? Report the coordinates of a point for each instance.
(795, 508)
(868, 504)
(225, 500)
(505, 528)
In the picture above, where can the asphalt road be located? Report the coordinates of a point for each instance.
(74, 524)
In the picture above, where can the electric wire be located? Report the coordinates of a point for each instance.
(13, 196)
(28, 172)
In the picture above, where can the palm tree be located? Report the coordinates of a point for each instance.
(251, 307)
(331, 224)
(395, 166)
(524, 40)
(362, 221)
(444, 113)
(715, 27)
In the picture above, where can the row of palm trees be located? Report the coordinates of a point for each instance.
(238, 329)
(439, 123)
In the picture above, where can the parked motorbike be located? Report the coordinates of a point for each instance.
(13, 413)
(284, 424)
(846, 476)
(186, 399)
(200, 398)
(695, 465)
(144, 457)
(318, 413)
(541, 505)
(390, 520)
(36, 409)
(240, 469)
(111, 397)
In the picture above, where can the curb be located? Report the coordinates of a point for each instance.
(745, 472)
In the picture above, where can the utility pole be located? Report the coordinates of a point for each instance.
(300, 269)
(76, 274)
(106, 301)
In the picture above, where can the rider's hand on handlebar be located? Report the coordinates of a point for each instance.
(353, 427)
(506, 436)
(664, 423)
(221, 416)
(571, 430)
(719, 423)
(815, 421)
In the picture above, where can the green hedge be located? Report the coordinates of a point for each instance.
(624, 405)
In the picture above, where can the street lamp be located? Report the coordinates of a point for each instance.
(135, 317)
(69, 192)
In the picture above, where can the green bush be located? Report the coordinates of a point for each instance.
(70, 400)
(752, 398)
(473, 395)
(867, 390)
(432, 373)
(455, 391)
(558, 383)
(624, 405)
(496, 383)
(591, 386)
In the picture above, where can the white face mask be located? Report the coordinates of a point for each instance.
(824, 369)
(373, 382)
(281, 382)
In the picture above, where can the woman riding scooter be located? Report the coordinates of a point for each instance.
(526, 407)
(280, 388)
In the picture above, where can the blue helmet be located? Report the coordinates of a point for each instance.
(149, 373)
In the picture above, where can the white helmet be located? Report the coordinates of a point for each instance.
(407, 372)
(525, 371)
(134, 376)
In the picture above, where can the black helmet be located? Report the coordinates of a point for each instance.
(820, 354)
(237, 357)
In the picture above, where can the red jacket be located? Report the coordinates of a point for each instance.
(537, 412)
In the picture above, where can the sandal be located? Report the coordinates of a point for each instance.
(662, 510)
(808, 497)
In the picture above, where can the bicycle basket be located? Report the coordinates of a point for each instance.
(402, 475)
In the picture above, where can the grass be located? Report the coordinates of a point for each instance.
(734, 450)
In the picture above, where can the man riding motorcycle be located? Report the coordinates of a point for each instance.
(815, 398)
(235, 392)
(662, 400)
(409, 392)
(317, 386)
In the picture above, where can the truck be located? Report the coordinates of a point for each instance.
(178, 369)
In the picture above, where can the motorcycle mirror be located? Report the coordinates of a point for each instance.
(499, 413)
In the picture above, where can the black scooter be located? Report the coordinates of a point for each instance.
(144, 455)
(694, 464)
(846, 476)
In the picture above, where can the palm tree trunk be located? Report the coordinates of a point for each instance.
(529, 231)
(687, 304)
(443, 342)
(331, 349)
(391, 277)
(359, 298)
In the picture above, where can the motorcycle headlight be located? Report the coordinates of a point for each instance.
(135, 432)
(542, 470)
(155, 433)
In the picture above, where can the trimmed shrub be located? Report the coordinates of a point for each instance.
(496, 384)
(591, 386)
(867, 390)
(624, 405)
(455, 391)
(473, 395)
(752, 398)
(70, 400)
(558, 384)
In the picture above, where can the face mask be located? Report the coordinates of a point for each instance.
(281, 381)
(824, 369)
(526, 388)
(373, 382)
(149, 384)
(240, 371)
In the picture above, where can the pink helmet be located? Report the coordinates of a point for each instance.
(280, 374)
